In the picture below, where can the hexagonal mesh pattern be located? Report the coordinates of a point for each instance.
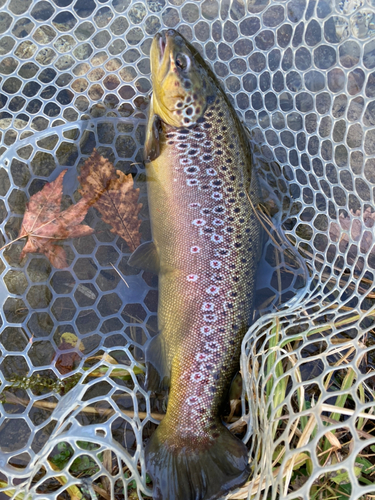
(75, 76)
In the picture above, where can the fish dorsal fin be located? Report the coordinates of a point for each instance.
(146, 257)
(158, 367)
(151, 148)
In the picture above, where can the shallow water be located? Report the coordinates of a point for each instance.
(75, 76)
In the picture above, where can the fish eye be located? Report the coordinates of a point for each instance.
(181, 61)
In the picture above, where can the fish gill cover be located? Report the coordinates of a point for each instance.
(75, 76)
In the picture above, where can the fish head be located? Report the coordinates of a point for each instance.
(182, 82)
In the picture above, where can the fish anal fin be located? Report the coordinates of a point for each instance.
(145, 257)
(195, 469)
(151, 148)
(158, 369)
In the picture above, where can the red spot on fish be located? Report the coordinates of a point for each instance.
(215, 264)
(195, 249)
(196, 377)
(216, 238)
(206, 330)
(199, 222)
(192, 277)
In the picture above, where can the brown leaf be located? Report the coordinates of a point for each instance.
(120, 208)
(44, 224)
(96, 176)
(114, 197)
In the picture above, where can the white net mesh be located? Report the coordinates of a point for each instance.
(75, 76)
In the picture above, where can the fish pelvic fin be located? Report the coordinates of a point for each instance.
(195, 470)
(146, 257)
(158, 367)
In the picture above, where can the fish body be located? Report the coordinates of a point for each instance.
(206, 244)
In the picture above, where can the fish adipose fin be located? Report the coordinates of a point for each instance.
(158, 369)
(195, 470)
(145, 257)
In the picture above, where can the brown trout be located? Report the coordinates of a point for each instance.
(206, 244)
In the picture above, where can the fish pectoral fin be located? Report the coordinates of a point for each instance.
(151, 148)
(146, 257)
(158, 368)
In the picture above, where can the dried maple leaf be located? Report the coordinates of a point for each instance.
(114, 197)
(96, 176)
(44, 224)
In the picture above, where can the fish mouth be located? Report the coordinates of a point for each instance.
(163, 39)
(161, 53)
(162, 43)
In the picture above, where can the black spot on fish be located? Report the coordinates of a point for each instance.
(231, 219)
(179, 111)
(205, 187)
(243, 261)
(192, 152)
(217, 101)
(231, 146)
(241, 221)
(188, 99)
(238, 245)
(207, 125)
(189, 111)
(219, 137)
(201, 119)
(209, 114)
(168, 136)
(224, 168)
(207, 157)
(229, 160)
(237, 210)
(229, 229)
(179, 104)
(186, 120)
(232, 177)
(242, 195)
(220, 113)
(170, 142)
(232, 200)
(198, 110)
(199, 135)
(224, 128)
(219, 152)
(210, 99)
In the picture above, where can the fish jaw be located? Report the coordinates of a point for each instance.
(181, 87)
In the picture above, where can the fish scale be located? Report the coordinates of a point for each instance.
(208, 241)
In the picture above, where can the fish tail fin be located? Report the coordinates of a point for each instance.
(193, 469)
